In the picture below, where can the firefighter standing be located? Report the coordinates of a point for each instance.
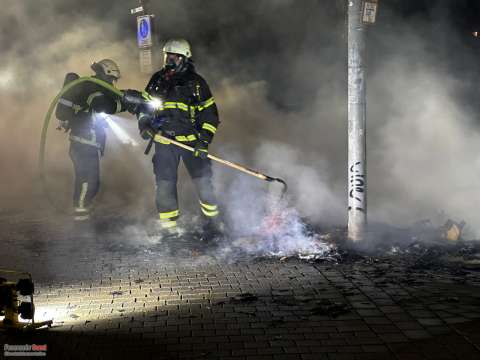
(81, 110)
(188, 114)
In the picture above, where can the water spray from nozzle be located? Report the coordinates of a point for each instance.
(118, 131)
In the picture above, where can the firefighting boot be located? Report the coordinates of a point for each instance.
(213, 231)
(83, 228)
(164, 234)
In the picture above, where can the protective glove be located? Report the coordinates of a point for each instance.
(158, 122)
(145, 127)
(201, 149)
(147, 133)
(131, 100)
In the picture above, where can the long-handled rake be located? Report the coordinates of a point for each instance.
(231, 164)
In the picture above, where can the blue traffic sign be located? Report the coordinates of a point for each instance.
(144, 29)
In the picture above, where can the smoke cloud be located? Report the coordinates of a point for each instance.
(278, 72)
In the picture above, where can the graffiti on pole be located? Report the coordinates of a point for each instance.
(357, 186)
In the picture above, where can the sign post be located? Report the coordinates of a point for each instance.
(144, 41)
(144, 38)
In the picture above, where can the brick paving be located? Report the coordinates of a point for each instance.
(121, 300)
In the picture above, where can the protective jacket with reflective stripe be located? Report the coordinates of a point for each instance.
(89, 98)
(188, 107)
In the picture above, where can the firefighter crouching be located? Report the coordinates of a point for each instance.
(188, 114)
(81, 112)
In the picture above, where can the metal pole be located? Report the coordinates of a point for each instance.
(357, 162)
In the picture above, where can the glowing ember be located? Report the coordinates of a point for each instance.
(273, 223)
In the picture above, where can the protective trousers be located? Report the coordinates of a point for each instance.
(86, 164)
(165, 165)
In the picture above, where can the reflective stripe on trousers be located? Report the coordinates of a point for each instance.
(86, 163)
(81, 214)
(168, 219)
(209, 210)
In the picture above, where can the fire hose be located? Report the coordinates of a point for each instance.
(53, 104)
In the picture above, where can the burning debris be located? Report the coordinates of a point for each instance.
(422, 247)
(283, 233)
(452, 231)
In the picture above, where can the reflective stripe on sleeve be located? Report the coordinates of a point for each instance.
(76, 108)
(119, 106)
(207, 103)
(66, 102)
(146, 95)
(209, 127)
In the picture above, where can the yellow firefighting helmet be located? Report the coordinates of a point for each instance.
(107, 67)
(177, 46)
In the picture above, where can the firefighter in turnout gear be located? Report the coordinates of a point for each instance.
(81, 111)
(188, 114)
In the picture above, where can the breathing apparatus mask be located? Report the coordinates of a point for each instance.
(174, 62)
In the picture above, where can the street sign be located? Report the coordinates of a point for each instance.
(136, 10)
(144, 31)
(369, 11)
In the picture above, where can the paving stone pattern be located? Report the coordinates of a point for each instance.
(129, 303)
